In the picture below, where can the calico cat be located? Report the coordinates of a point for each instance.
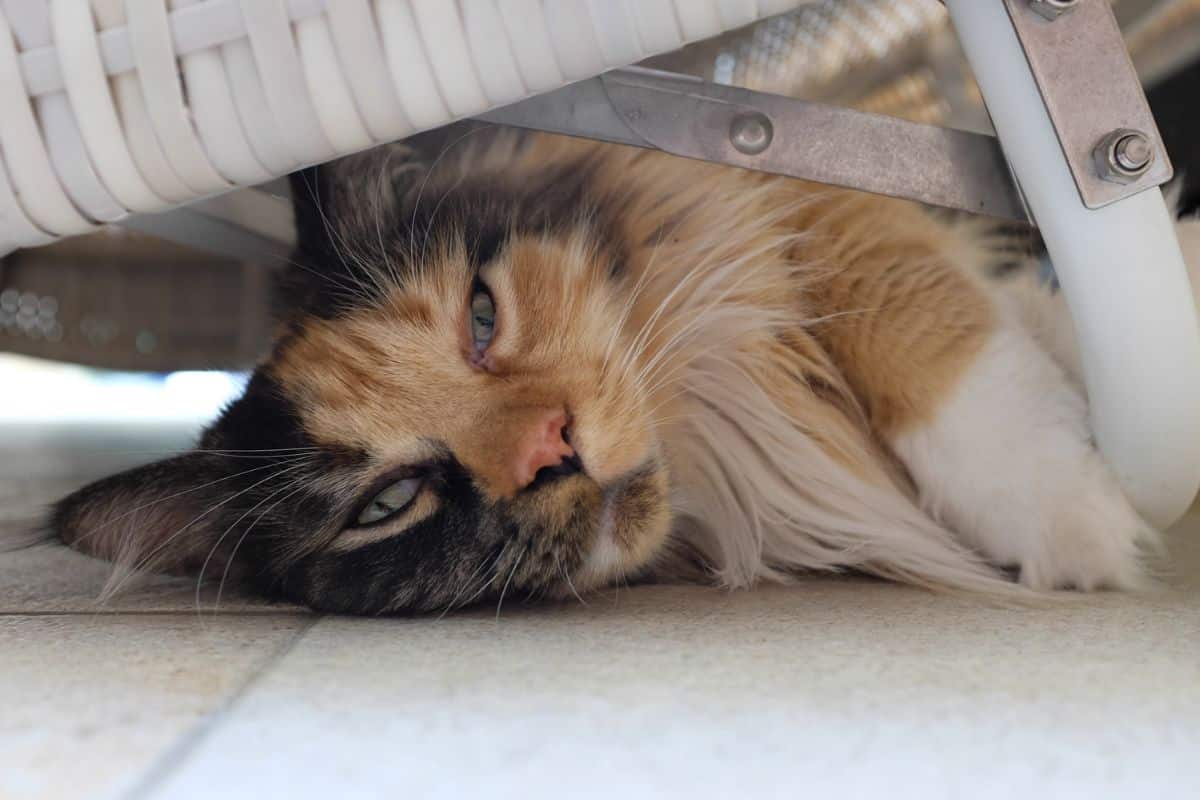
(525, 365)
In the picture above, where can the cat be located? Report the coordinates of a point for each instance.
(527, 365)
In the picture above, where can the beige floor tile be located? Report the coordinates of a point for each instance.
(88, 704)
(832, 687)
(54, 578)
(844, 688)
(40, 463)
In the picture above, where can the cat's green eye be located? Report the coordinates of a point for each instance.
(393, 499)
(483, 319)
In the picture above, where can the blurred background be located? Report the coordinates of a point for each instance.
(118, 346)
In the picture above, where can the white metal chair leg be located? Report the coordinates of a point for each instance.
(1123, 276)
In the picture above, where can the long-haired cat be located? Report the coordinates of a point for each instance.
(526, 365)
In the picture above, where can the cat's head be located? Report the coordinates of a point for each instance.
(451, 411)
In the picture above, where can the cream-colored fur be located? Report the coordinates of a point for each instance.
(1008, 463)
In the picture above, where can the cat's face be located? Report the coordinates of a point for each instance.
(453, 411)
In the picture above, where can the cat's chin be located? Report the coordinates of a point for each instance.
(603, 562)
(633, 524)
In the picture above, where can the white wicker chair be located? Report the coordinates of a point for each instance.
(115, 107)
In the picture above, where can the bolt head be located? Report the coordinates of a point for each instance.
(1133, 153)
(1052, 9)
(751, 133)
(1124, 155)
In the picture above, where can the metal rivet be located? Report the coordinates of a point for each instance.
(1124, 155)
(751, 133)
(1052, 9)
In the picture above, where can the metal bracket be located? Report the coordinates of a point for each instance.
(688, 117)
(722, 124)
(1094, 98)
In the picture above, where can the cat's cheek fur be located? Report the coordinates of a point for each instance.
(1007, 461)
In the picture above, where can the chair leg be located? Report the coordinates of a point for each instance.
(1123, 276)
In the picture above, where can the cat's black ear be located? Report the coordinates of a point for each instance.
(160, 517)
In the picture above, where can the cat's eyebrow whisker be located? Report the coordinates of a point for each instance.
(217, 544)
(340, 246)
(298, 485)
(143, 506)
(282, 260)
(412, 227)
(314, 194)
(377, 200)
(433, 215)
(353, 292)
(260, 456)
(275, 455)
(390, 174)
(170, 451)
(335, 239)
(145, 559)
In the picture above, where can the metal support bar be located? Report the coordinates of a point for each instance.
(687, 117)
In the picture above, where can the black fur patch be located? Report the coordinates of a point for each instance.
(352, 241)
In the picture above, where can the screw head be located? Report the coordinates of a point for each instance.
(1052, 9)
(1124, 155)
(751, 133)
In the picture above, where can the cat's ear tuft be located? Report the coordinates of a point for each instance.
(160, 517)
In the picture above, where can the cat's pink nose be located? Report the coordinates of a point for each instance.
(544, 446)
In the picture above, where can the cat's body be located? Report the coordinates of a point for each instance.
(571, 363)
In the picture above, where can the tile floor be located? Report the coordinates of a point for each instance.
(835, 686)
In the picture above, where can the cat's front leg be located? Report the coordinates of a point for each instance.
(1007, 461)
(991, 429)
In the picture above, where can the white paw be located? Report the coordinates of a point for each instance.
(1008, 464)
(1077, 532)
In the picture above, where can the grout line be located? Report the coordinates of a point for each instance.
(178, 753)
